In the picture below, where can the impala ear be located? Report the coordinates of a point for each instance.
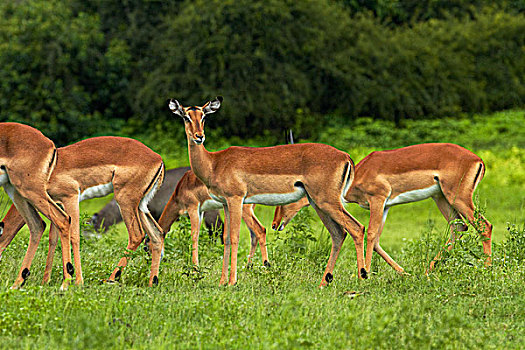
(176, 108)
(212, 106)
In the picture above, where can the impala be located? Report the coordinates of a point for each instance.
(191, 197)
(110, 214)
(272, 176)
(27, 159)
(94, 168)
(447, 173)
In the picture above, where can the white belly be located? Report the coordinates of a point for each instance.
(414, 196)
(210, 204)
(4, 179)
(96, 191)
(276, 198)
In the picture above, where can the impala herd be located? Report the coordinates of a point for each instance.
(40, 178)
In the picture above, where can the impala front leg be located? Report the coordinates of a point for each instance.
(227, 246)
(195, 221)
(235, 209)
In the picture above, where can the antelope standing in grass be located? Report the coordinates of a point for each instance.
(191, 197)
(110, 214)
(272, 176)
(445, 172)
(27, 159)
(94, 168)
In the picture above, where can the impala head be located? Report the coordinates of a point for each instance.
(285, 213)
(194, 117)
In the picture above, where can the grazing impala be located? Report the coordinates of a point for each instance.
(110, 214)
(447, 173)
(272, 176)
(27, 159)
(94, 168)
(191, 197)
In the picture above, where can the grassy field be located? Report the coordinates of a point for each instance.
(461, 305)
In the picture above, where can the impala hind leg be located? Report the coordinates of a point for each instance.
(71, 206)
(40, 199)
(156, 240)
(36, 229)
(339, 222)
(136, 235)
(257, 233)
(459, 197)
(450, 214)
(53, 241)
(10, 225)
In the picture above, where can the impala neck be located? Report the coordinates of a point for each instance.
(200, 161)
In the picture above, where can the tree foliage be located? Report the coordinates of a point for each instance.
(57, 72)
(76, 69)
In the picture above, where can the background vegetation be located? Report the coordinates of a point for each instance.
(81, 68)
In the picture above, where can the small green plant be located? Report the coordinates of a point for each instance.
(512, 250)
(294, 241)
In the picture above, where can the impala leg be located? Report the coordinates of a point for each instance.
(257, 233)
(62, 221)
(466, 210)
(374, 227)
(450, 214)
(346, 224)
(72, 208)
(380, 250)
(235, 208)
(227, 246)
(195, 221)
(53, 241)
(169, 214)
(378, 214)
(36, 229)
(338, 236)
(12, 223)
(157, 241)
(135, 237)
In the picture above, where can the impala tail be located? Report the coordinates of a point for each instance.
(152, 189)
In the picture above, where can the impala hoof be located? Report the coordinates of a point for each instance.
(25, 273)
(70, 269)
(267, 264)
(364, 274)
(328, 278)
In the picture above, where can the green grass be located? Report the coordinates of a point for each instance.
(461, 305)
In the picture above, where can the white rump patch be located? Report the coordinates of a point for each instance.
(143, 206)
(276, 198)
(414, 196)
(96, 191)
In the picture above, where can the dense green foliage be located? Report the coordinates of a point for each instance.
(77, 69)
(57, 72)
